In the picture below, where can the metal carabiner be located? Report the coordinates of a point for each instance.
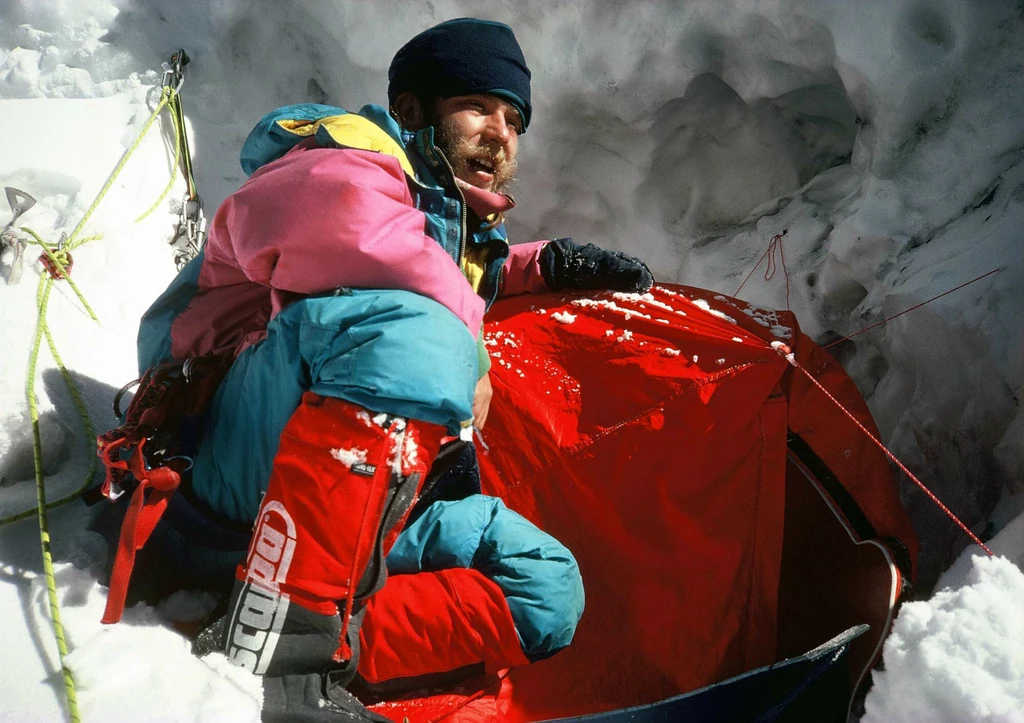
(174, 71)
(173, 78)
(191, 227)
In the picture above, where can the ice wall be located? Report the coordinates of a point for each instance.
(884, 136)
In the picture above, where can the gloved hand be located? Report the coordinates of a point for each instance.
(567, 265)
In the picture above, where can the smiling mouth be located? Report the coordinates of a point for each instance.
(481, 165)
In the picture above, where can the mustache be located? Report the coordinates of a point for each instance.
(504, 168)
(460, 151)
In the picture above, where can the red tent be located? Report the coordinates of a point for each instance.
(724, 511)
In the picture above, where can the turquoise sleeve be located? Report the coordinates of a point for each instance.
(538, 575)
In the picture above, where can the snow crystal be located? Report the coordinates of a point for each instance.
(627, 335)
(349, 457)
(564, 316)
(611, 306)
(758, 318)
(672, 352)
(630, 296)
(702, 304)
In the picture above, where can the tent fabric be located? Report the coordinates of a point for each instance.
(806, 687)
(653, 436)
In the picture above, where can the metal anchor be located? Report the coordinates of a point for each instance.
(191, 232)
(20, 202)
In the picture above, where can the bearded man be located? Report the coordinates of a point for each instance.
(346, 281)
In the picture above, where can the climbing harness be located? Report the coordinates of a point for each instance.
(151, 450)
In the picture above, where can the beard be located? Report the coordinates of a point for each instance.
(460, 152)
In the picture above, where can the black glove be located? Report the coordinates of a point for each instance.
(567, 265)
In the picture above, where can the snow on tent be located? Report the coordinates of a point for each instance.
(727, 516)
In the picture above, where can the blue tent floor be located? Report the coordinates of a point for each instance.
(810, 687)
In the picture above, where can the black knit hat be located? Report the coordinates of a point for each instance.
(462, 57)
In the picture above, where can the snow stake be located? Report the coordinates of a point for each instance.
(20, 202)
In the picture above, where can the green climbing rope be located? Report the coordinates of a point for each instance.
(60, 259)
(167, 98)
(42, 299)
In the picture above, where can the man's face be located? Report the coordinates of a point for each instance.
(479, 134)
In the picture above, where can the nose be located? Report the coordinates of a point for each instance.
(498, 129)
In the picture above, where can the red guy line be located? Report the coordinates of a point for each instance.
(786, 353)
(907, 311)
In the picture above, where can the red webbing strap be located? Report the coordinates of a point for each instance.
(144, 511)
(152, 390)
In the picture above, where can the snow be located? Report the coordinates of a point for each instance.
(881, 140)
(958, 655)
(349, 457)
(701, 304)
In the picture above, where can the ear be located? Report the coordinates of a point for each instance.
(409, 112)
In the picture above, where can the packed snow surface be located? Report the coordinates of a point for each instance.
(880, 143)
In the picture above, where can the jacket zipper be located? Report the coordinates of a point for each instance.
(462, 215)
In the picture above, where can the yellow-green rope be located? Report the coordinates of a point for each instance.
(168, 95)
(59, 259)
(69, 382)
(42, 299)
(165, 97)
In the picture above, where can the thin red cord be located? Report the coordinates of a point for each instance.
(737, 292)
(784, 350)
(771, 268)
(907, 311)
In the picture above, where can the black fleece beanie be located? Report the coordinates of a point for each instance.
(462, 57)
